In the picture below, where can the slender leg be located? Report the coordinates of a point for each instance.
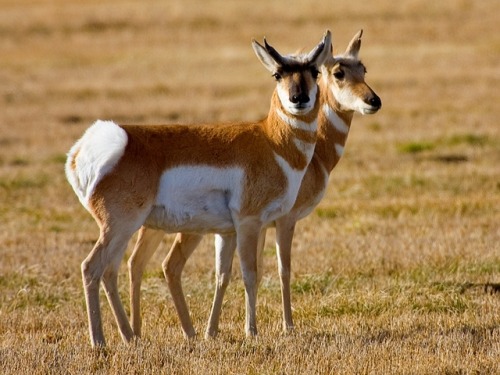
(102, 264)
(173, 265)
(224, 253)
(260, 255)
(110, 282)
(284, 234)
(247, 241)
(91, 275)
(146, 245)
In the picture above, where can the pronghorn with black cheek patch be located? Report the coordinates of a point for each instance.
(343, 92)
(196, 179)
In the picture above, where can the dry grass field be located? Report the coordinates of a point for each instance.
(396, 272)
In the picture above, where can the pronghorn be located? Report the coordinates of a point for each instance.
(343, 91)
(196, 179)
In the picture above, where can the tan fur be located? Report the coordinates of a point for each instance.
(153, 149)
(313, 185)
(120, 184)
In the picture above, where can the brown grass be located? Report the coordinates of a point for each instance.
(398, 269)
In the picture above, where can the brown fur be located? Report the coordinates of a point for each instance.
(151, 150)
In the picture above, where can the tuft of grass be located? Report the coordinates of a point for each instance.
(24, 182)
(468, 139)
(58, 159)
(416, 147)
(327, 212)
(313, 284)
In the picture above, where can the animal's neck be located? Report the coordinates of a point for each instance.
(333, 128)
(292, 137)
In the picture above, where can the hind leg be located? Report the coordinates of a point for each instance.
(102, 264)
(173, 265)
(146, 245)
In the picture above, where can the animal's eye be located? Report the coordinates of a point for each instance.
(314, 72)
(339, 75)
(277, 76)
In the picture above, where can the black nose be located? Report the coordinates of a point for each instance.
(375, 101)
(300, 98)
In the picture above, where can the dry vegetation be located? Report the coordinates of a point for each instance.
(397, 271)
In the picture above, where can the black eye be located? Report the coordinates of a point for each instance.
(277, 76)
(314, 72)
(339, 75)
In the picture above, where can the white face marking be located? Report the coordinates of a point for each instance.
(198, 197)
(351, 101)
(346, 98)
(339, 149)
(335, 120)
(293, 108)
(98, 151)
(363, 108)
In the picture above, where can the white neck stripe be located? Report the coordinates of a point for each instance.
(297, 124)
(339, 149)
(335, 120)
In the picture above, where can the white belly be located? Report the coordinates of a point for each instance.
(197, 199)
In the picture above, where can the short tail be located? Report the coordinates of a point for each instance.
(93, 156)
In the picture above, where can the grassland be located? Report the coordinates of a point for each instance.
(396, 272)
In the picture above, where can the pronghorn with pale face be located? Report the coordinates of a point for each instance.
(196, 179)
(343, 92)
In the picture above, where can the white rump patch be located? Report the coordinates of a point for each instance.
(94, 156)
(335, 119)
(198, 199)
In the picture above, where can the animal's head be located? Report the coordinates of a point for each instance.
(296, 75)
(345, 78)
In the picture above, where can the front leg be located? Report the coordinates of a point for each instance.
(225, 245)
(285, 228)
(247, 233)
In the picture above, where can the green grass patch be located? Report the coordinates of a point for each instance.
(24, 182)
(313, 284)
(416, 147)
(350, 305)
(58, 159)
(327, 212)
(468, 139)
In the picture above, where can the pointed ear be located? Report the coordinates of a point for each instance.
(354, 45)
(322, 51)
(267, 55)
